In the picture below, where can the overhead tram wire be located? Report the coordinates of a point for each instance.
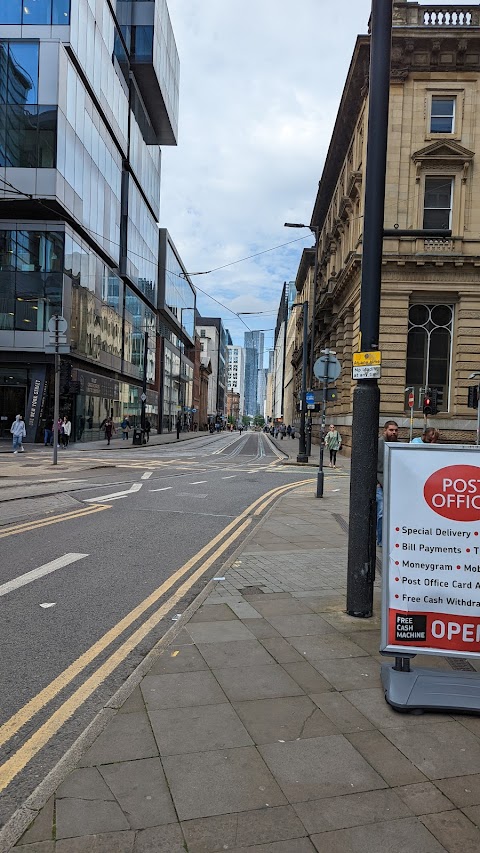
(72, 221)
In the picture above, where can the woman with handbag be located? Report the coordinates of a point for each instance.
(333, 441)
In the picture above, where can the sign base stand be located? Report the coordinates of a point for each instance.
(431, 690)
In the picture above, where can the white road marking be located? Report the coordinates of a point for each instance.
(46, 569)
(165, 489)
(230, 477)
(48, 604)
(135, 487)
(147, 475)
(197, 482)
(189, 495)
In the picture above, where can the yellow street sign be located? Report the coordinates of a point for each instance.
(361, 358)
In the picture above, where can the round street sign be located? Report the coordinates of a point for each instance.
(62, 325)
(334, 368)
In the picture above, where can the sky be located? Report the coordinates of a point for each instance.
(260, 85)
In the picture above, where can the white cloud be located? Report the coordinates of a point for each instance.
(260, 83)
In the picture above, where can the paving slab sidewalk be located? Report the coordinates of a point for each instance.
(262, 727)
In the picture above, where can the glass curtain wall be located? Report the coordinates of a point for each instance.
(35, 12)
(139, 319)
(96, 297)
(27, 129)
(179, 295)
(31, 278)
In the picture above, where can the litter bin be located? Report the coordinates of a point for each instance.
(137, 436)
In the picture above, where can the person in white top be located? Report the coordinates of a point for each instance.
(18, 432)
(67, 431)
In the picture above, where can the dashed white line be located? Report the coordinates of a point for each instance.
(46, 569)
(197, 482)
(147, 475)
(230, 477)
(165, 489)
(135, 487)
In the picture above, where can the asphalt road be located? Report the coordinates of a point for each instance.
(86, 592)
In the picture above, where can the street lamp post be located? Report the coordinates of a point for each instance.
(316, 231)
(144, 384)
(302, 447)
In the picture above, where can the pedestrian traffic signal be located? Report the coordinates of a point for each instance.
(472, 397)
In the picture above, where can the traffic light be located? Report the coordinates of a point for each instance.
(430, 403)
(472, 397)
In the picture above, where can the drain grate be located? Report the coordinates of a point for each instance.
(341, 521)
(251, 590)
(461, 664)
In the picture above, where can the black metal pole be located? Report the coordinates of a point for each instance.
(56, 393)
(144, 387)
(302, 448)
(316, 230)
(366, 399)
(321, 473)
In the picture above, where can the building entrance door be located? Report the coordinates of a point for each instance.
(12, 402)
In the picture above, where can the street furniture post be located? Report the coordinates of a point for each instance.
(56, 393)
(366, 398)
(302, 448)
(321, 472)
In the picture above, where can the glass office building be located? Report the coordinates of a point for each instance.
(88, 95)
(176, 337)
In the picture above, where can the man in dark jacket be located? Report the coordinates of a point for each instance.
(390, 433)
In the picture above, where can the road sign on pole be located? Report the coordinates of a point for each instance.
(411, 399)
(333, 365)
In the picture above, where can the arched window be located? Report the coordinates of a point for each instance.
(429, 351)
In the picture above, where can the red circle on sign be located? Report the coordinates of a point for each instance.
(454, 492)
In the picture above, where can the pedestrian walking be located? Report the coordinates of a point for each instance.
(430, 436)
(148, 427)
(240, 428)
(333, 442)
(60, 432)
(179, 427)
(48, 432)
(289, 431)
(109, 428)
(18, 432)
(67, 431)
(293, 432)
(125, 427)
(390, 433)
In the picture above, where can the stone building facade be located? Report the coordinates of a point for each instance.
(430, 303)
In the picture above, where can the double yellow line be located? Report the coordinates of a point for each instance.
(13, 529)
(10, 768)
